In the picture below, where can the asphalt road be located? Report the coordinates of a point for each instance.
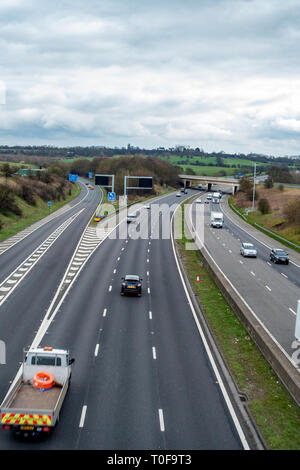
(271, 290)
(141, 369)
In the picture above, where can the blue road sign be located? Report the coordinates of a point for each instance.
(111, 196)
(90, 175)
(73, 177)
(49, 203)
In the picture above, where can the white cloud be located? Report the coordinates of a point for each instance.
(220, 75)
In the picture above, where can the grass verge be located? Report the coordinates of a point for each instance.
(252, 220)
(13, 224)
(276, 415)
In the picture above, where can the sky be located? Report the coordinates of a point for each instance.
(221, 75)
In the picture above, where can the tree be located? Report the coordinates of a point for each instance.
(7, 170)
(292, 212)
(269, 183)
(264, 206)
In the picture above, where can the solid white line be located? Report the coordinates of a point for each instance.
(161, 420)
(82, 418)
(96, 350)
(250, 234)
(284, 275)
(104, 312)
(28, 266)
(39, 224)
(208, 351)
(154, 352)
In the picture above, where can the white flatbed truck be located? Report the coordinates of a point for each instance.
(27, 410)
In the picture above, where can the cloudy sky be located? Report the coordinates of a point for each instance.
(215, 74)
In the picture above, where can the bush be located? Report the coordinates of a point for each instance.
(281, 187)
(292, 212)
(269, 183)
(28, 195)
(264, 206)
(1, 224)
(7, 201)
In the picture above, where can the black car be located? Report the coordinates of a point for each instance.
(279, 256)
(131, 285)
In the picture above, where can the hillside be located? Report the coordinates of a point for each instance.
(24, 200)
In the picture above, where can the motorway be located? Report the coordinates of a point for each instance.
(142, 377)
(271, 290)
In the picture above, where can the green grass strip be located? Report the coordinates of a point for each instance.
(276, 415)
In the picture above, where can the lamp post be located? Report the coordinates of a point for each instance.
(254, 178)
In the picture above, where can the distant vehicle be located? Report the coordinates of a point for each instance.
(182, 190)
(131, 218)
(216, 219)
(198, 201)
(178, 195)
(209, 196)
(33, 404)
(279, 256)
(132, 284)
(147, 206)
(247, 249)
(207, 201)
(91, 187)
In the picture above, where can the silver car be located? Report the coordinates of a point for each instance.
(247, 249)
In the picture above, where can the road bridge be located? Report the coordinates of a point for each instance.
(189, 180)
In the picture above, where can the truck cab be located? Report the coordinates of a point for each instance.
(52, 361)
(28, 408)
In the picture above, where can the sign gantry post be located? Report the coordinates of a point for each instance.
(103, 180)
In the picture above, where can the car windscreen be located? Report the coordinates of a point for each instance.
(280, 252)
(248, 246)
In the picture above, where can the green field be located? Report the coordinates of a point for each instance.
(207, 166)
(17, 164)
(208, 170)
